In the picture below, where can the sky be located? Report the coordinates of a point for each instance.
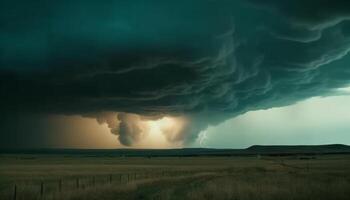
(169, 74)
(319, 120)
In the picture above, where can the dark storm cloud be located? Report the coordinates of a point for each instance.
(206, 60)
(310, 14)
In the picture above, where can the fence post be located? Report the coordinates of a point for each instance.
(110, 178)
(15, 193)
(60, 185)
(78, 183)
(93, 181)
(120, 178)
(41, 188)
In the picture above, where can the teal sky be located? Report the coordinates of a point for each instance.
(318, 120)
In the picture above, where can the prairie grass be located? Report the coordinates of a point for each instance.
(196, 178)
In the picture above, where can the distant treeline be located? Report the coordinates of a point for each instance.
(279, 150)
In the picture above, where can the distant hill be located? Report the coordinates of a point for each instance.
(253, 150)
(300, 149)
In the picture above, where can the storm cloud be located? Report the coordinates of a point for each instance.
(202, 59)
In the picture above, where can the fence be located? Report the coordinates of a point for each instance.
(83, 182)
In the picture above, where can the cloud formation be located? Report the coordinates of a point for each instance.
(204, 60)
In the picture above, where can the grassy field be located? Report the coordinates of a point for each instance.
(83, 177)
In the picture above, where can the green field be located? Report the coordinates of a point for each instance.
(84, 177)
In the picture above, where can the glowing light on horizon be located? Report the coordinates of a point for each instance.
(162, 133)
(81, 132)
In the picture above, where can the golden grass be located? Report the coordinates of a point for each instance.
(238, 178)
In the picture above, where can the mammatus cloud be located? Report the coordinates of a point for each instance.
(203, 61)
